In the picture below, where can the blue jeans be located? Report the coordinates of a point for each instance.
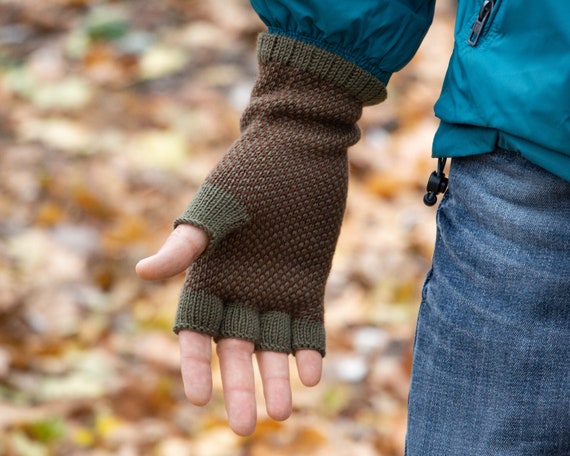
(491, 370)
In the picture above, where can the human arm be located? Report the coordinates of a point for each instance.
(263, 281)
(350, 83)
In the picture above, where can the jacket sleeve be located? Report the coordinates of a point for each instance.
(379, 37)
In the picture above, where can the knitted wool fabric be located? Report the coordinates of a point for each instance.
(273, 207)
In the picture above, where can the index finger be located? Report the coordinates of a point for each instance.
(195, 366)
(238, 383)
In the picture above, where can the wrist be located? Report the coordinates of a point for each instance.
(330, 67)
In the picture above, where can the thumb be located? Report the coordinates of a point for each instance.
(183, 246)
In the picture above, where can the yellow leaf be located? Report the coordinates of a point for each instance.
(50, 214)
(158, 149)
(83, 437)
(127, 230)
(106, 424)
(307, 441)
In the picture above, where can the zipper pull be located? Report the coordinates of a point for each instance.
(482, 18)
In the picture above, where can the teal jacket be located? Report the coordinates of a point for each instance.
(508, 80)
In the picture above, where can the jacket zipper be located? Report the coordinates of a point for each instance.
(479, 25)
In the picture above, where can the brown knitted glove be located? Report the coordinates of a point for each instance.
(273, 207)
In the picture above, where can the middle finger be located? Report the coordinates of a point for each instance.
(238, 383)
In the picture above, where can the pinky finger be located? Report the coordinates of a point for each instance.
(309, 366)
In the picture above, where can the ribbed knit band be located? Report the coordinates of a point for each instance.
(240, 321)
(275, 332)
(199, 311)
(308, 334)
(331, 67)
(215, 211)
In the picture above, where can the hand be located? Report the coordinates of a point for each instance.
(180, 250)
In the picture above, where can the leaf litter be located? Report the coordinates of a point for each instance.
(111, 114)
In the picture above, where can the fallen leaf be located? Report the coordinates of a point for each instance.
(159, 61)
(166, 149)
(64, 134)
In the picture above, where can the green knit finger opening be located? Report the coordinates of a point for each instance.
(198, 311)
(241, 322)
(215, 211)
(275, 334)
(331, 67)
(308, 334)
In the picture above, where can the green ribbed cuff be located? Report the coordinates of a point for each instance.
(309, 334)
(327, 65)
(275, 332)
(215, 211)
(241, 322)
(198, 311)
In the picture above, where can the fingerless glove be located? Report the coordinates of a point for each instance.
(273, 205)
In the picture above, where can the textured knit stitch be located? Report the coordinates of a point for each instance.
(286, 179)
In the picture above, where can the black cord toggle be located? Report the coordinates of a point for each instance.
(437, 183)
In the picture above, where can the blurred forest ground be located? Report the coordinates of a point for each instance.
(111, 115)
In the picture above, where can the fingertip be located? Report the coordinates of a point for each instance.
(158, 266)
(195, 359)
(197, 398)
(279, 401)
(240, 427)
(310, 366)
(177, 253)
(238, 383)
(281, 414)
(274, 370)
(198, 391)
(241, 411)
(141, 269)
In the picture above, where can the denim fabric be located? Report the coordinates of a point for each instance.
(491, 371)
